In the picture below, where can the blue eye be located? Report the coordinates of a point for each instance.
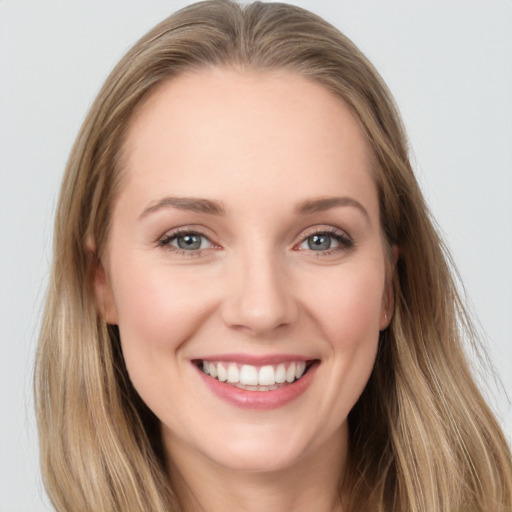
(186, 241)
(320, 242)
(326, 242)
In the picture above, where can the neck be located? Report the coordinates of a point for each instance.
(312, 483)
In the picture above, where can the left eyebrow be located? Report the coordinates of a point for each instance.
(326, 203)
(194, 204)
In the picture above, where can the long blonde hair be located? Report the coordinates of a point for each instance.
(422, 437)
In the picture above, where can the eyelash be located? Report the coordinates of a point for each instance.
(165, 242)
(344, 241)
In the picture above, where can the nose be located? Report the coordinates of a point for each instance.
(259, 296)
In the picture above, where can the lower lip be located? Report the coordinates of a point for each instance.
(260, 400)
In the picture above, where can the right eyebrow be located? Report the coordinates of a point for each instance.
(321, 204)
(194, 204)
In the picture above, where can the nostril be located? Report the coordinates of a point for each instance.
(258, 315)
(257, 295)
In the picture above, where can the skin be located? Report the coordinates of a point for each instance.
(260, 144)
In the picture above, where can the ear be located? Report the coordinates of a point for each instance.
(388, 297)
(103, 295)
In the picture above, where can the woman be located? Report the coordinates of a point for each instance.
(250, 308)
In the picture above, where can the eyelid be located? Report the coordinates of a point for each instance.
(171, 234)
(319, 229)
(346, 242)
(196, 229)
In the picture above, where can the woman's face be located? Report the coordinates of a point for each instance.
(246, 267)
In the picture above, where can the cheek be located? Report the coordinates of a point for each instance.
(347, 304)
(347, 309)
(159, 309)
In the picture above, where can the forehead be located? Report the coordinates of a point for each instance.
(223, 133)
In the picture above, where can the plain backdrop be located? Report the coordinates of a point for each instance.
(449, 65)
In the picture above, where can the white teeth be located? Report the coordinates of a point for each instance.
(253, 378)
(233, 373)
(266, 376)
(299, 370)
(257, 388)
(222, 374)
(249, 375)
(213, 370)
(280, 374)
(290, 373)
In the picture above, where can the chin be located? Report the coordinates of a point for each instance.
(256, 461)
(268, 450)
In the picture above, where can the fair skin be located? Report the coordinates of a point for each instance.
(279, 259)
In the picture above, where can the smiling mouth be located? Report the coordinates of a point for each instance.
(255, 378)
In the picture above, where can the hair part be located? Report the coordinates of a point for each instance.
(422, 437)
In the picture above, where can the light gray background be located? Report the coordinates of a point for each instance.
(449, 65)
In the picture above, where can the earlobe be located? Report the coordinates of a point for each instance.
(386, 310)
(103, 295)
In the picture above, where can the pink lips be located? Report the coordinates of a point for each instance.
(258, 400)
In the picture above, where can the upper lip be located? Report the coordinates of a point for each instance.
(255, 360)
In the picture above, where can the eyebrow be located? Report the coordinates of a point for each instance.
(212, 207)
(326, 203)
(193, 204)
